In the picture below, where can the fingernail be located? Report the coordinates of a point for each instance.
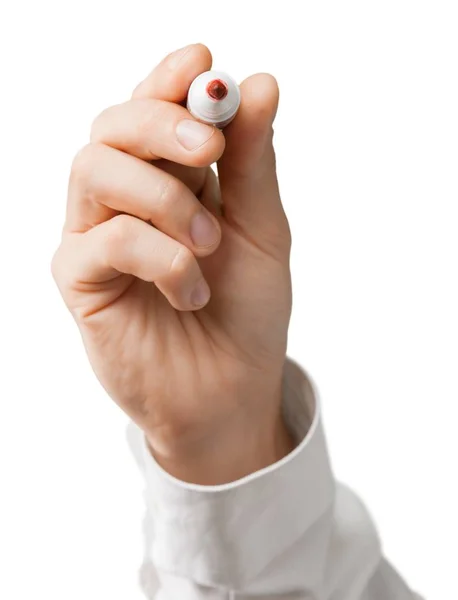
(192, 134)
(203, 230)
(200, 294)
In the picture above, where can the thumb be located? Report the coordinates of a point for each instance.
(247, 172)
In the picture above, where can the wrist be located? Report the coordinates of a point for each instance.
(245, 442)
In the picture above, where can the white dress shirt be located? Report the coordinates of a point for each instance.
(287, 532)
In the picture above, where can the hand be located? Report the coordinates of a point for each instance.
(149, 234)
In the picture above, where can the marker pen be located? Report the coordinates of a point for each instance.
(214, 98)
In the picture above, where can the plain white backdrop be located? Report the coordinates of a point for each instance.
(367, 146)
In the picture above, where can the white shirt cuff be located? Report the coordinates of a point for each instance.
(225, 535)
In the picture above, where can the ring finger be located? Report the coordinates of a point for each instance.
(105, 182)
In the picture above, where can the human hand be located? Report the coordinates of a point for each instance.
(149, 234)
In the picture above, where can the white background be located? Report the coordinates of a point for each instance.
(367, 139)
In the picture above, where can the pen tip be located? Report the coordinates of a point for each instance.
(217, 89)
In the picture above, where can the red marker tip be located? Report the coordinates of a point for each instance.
(217, 89)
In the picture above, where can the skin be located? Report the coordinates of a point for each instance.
(203, 381)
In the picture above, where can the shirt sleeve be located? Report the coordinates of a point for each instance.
(289, 531)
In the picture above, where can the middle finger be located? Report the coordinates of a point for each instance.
(152, 129)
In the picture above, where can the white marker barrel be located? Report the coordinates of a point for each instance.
(214, 98)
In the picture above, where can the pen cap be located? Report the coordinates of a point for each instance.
(214, 98)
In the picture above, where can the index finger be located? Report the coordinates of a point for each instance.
(171, 78)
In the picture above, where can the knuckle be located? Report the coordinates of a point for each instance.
(97, 125)
(150, 114)
(55, 265)
(280, 239)
(288, 236)
(167, 194)
(117, 234)
(62, 270)
(83, 164)
(182, 262)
